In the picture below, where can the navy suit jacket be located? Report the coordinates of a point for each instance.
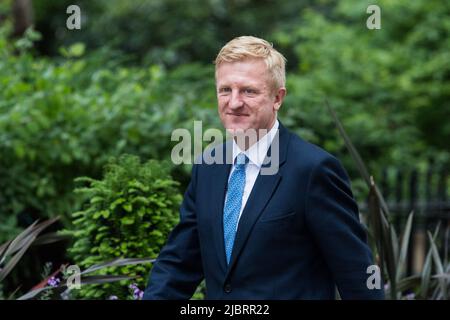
(299, 235)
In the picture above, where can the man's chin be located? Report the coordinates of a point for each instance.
(236, 130)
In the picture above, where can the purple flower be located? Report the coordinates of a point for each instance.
(113, 298)
(410, 296)
(53, 282)
(137, 293)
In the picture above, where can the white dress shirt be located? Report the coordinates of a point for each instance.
(256, 155)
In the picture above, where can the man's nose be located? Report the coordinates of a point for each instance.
(236, 100)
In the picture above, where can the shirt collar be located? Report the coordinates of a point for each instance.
(257, 152)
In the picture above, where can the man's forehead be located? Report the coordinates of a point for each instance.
(248, 71)
(244, 64)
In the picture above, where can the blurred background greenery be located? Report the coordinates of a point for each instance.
(72, 99)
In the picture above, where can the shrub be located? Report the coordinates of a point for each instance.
(63, 118)
(391, 252)
(54, 284)
(130, 213)
(389, 86)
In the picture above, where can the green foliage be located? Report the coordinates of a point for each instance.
(12, 251)
(63, 117)
(60, 119)
(129, 213)
(391, 252)
(389, 86)
(140, 69)
(170, 32)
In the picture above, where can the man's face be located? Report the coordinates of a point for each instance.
(245, 95)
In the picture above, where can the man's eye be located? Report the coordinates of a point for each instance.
(224, 90)
(249, 91)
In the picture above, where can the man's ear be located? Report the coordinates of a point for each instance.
(279, 97)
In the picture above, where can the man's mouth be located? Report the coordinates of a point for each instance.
(238, 114)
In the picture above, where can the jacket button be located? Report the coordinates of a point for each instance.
(227, 288)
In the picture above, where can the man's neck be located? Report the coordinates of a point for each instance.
(249, 138)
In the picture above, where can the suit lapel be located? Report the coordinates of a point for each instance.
(263, 189)
(265, 186)
(261, 193)
(217, 198)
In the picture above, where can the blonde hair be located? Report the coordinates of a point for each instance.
(248, 47)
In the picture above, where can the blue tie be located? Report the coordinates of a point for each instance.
(233, 203)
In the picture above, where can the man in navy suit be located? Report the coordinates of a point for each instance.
(252, 233)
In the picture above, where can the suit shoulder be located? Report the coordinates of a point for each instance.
(314, 159)
(309, 153)
(217, 154)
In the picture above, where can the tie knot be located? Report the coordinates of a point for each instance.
(241, 160)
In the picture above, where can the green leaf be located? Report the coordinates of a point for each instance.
(118, 262)
(128, 207)
(21, 244)
(74, 51)
(426, 270)
(105, 213)
(127, 220)
(439, 266)
(116, 202)
(97, 279)
(102, 213)
(404, 247)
